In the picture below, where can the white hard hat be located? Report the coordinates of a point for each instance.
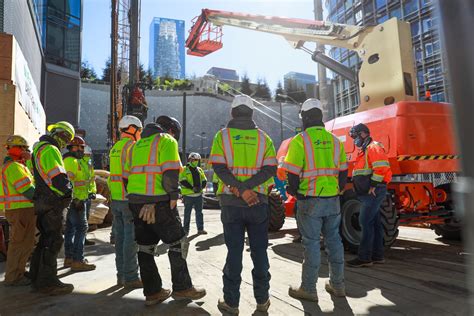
(242, 100)
(88, 150)
(194, 156)
(128, 120)
(311, 104)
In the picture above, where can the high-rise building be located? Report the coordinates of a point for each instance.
(167, 51)
(223, 73)
(428, 57)
(297, 81)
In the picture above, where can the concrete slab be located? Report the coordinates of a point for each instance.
(424, 275)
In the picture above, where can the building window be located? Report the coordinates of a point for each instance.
(358, 16)
(396, 13)
(426, 3)
(382, 19)
(428, 49)
(410, 6)
(368, 8)
(348, 4)
(415, 28)
(420, 77)
(427, 24)
(379, 4)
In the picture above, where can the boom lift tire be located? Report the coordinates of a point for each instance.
(351, 231)
(277, 211)
(450, 230)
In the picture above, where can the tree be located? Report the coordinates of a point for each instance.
(106, 72)
(87, 72)
(262, 91)
(245, 85)
(279, 91)
(147, 80)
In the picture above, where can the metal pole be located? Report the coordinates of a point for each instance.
(113, 69)
(457, 18)
(184, 128)
(328, 112)
(202, 146)
(281, 122)
(134, 41)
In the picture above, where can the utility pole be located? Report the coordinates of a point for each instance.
(183, 159)
(281, 123)
(328, 112)
(134, 17)
(113, 74)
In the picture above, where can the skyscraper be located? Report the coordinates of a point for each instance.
(425, 37)
(167, 54)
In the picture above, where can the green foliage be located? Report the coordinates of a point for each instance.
(262, 91)
(87, 72)
(245, 86)
(107, 70)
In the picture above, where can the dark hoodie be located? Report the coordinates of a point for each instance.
(265, 173)
(169, 180)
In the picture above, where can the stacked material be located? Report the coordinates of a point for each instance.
(99, 210)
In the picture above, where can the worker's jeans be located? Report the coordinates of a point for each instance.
(125, 245)
(75, 232)
(22, 240)
(235, 221)
(372, 244)
(189, 203)
(169, 230)
(43, 268)
(316, 216)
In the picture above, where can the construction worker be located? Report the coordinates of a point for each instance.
(153, 164)
(53, 193)
(370, 176)
(317, 172)
(125, 246)
(193, 181)
(88, 165)
(244, 159)
(16, 198)
(76, 219)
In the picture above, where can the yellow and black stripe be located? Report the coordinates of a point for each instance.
(429, 157)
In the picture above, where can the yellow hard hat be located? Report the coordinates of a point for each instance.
(62, 126)
(16, 140)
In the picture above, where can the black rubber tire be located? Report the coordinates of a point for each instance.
(277, 211)
(448, 230)
(351, 232)
(210, 201)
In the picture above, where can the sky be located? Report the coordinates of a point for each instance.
(256, 54)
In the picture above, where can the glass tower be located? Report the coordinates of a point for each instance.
(167, 55)
(428, 57)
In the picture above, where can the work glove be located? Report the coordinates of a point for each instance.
(147, 213)
(250, 197)
(92, 196)
(196, 189)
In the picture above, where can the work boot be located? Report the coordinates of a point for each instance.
(338, 292)
(82, 266)
(224, 307)
(301, 294)
(263, 307)
(67, 262)
(60, 289)
(88, 242)
(120, 282)
(357, 263)
(202, 232)
(297, 239)
(157, 298)
(378, 261)
(137, 284)
(191, 294)
(23, 281)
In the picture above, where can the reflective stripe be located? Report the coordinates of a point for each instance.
(16, 198)
(337, 150)
(70, 174)
(79, 183)
(244, 171)
(320, 172)
(55, 171)
(115, 178)
(261, 145)
(270, 161)
(377, 177)
(152, 158)
(123, 158)
(43, 175)
(22, 183)
(362, 172)
(171, 165)
(228, 152)
(125, 174)
(309, 150)
(291, 168)
(343, 166)
(217, 159)
(380, 163)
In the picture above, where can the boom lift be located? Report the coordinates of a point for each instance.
(418, 136)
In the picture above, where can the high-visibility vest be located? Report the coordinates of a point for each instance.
(186, 174)
(78, 176)
(118, 156)
(316, 156)
(147, 160)
(16, 179)
(244, 152)
(49, 163)
(86, 163)
(371, 167)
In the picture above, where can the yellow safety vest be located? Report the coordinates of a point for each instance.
(78, 176)
(16, 179)
(118, 156)
(187, 175)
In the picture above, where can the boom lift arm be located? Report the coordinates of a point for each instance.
(386, 75)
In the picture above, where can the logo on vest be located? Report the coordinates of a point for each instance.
(239, 137)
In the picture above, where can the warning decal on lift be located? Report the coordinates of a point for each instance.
(430, 157)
